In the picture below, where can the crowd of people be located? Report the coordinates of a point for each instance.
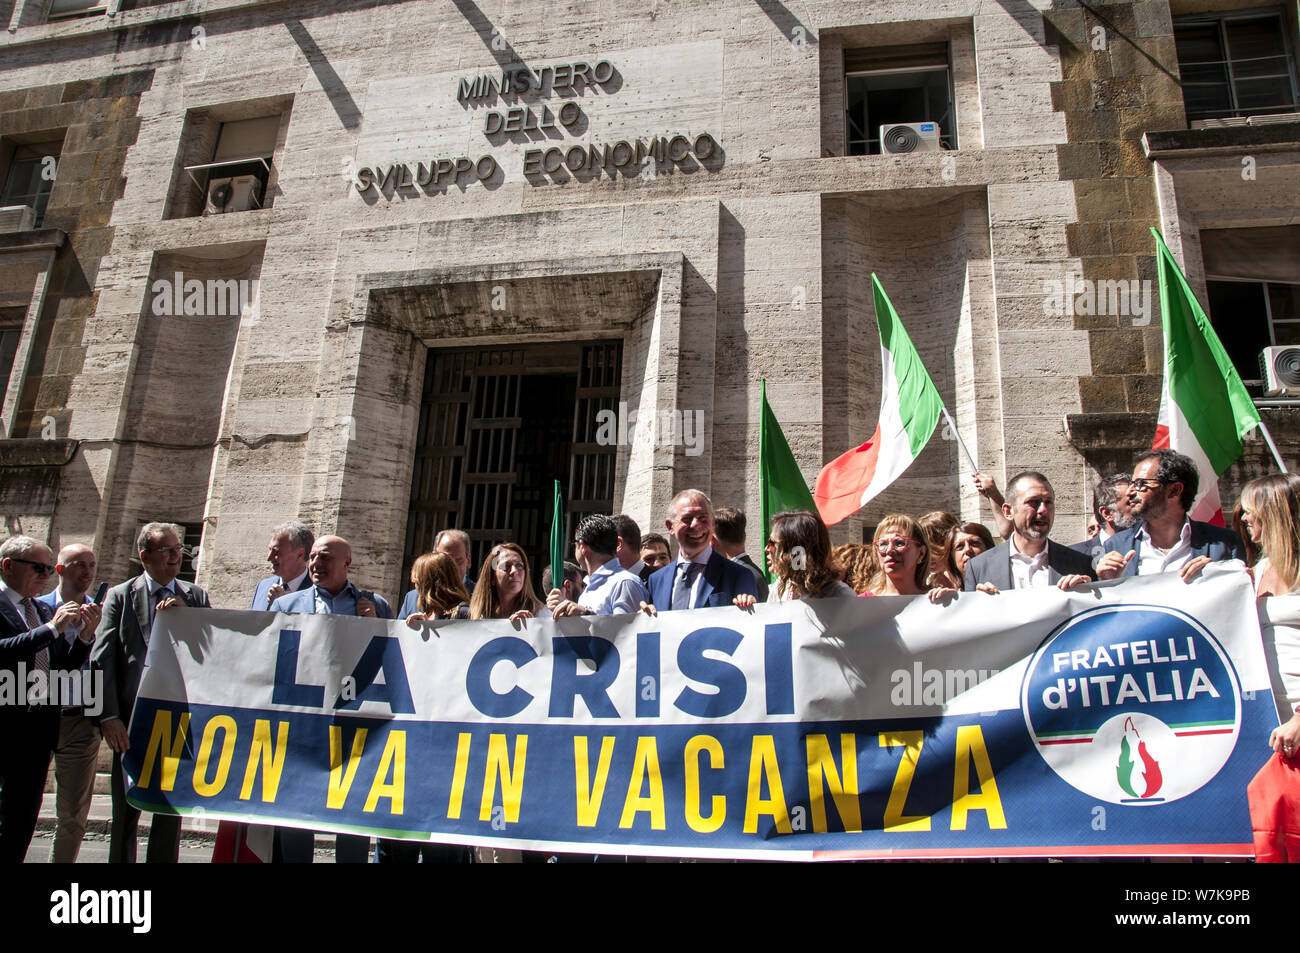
(1141, 527)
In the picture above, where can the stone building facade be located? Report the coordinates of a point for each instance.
(387, 267)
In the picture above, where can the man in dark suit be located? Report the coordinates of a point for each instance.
(700, 577)
(729, 536)
(1161, 492)
(120, 648)
(287, 554)
(1029, 559)
(31, 641)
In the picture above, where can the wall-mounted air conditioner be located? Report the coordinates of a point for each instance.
(17, 218)
(1280, 368)
(910, 137)
(238, 194)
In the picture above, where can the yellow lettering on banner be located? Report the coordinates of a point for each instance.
(394, 755)
(970, 747)
(694, 748)
(271, 758)
(341, 778)
(161, 743)
(458, 777)
(645, 764)
(589, 796)
(762, 764)
(228, 730)
(512, 777)
(821, 764)
(894, 819)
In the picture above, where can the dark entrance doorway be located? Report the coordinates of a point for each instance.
(497, 427)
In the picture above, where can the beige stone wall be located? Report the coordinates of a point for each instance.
(759, 261)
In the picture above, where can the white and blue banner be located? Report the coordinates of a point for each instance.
(1121, 719)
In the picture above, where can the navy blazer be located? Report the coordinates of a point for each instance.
(20, 643)
(263, 589)
(995, 566)
(723, 581)
(1207, 540)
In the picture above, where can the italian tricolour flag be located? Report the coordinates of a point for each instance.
(1204, 408)
(909, 411)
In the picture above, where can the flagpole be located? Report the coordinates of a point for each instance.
(1268, 437)
(952, 425)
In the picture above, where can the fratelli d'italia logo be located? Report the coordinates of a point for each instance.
(1132, 704)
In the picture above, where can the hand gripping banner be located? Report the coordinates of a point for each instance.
(1124, 719)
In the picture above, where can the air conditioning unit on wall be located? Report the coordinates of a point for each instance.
(238, 194)
(909, 137)
(1280, 368)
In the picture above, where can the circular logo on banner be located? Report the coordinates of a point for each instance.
(1132, 704)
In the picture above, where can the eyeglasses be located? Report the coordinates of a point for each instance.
(177, 550)
(42, 569)
(771, 544)
(897, 544)
(1143, 485)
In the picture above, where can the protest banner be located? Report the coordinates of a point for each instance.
(1121, 719)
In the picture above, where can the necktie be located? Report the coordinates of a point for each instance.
(42, 660)
(683, 584)
(159, 594)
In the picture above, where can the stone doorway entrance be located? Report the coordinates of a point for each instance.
(497, 425)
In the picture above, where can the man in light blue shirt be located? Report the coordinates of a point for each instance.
(331, 593)
(611, 589)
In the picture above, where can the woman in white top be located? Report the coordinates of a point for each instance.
(1269, 523)
(799, 555)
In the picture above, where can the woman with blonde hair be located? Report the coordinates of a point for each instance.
(504, 589)
(902, 558)
(440, 593)
(1268, 520)
(1269, 525)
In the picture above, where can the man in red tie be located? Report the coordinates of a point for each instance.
(31, 649)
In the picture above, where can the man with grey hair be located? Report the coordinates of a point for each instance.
(121, 646)
(78, 748)
(453, 543)
(287, 553)
(700, 577)
(31, 649)
(1110, 509)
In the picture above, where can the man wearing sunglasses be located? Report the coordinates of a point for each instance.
(1164, 540)
(120, 648)
(31, 641)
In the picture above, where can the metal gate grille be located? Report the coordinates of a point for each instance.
(489, 442)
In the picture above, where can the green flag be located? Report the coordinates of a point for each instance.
(781, 483)
(557, 541)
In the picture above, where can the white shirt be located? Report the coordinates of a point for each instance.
(702, 558)
(612, 589)
(291, 585)
(834, 590)
(1028, 572)
(1153, 561)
